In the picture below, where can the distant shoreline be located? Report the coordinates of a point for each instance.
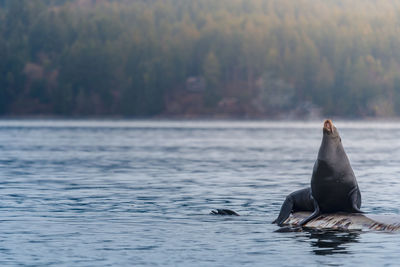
(194, 118)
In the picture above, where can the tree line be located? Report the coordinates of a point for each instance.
(256, 57)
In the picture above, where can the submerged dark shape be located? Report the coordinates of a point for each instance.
(334, 187)
(223, 212)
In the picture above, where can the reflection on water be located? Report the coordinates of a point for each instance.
(324, 242)
(332, 242)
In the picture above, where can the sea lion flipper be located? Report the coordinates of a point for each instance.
(357, 210)
(355, 199)
(314, 215)
(286, 209)
(300, 200)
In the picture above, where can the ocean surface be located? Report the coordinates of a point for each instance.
(139, 193)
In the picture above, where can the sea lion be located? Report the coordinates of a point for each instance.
(334, 186)
(300, 200)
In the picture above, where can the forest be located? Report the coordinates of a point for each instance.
(203, 58)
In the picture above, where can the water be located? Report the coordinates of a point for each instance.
(97, 193)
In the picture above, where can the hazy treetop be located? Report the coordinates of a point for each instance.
(258, 58)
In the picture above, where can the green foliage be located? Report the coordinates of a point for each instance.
(74, 57)
(211, 72)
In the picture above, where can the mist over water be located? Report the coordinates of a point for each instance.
(79, 193)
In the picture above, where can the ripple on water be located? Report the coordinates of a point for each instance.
(140, 192)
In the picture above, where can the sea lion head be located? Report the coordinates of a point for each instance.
(330, 131)
(331, 147)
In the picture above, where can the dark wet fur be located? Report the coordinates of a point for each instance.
(333, 183)
(300, 200)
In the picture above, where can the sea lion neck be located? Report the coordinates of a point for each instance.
(331, 148)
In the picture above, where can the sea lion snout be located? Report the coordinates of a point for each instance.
(328, 126)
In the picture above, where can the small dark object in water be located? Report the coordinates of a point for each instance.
(223, 212)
